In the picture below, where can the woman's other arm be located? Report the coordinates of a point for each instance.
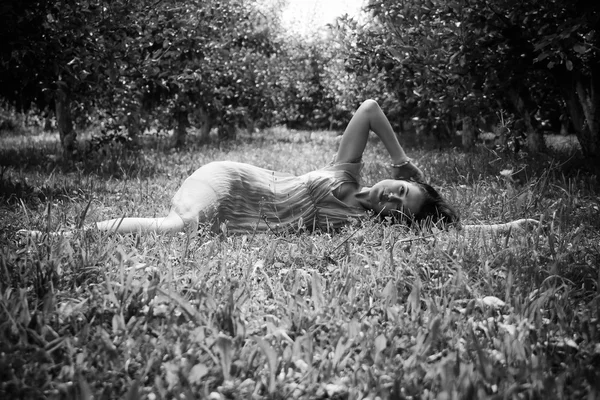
(519, 225)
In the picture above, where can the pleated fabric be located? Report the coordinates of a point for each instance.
(250, 198)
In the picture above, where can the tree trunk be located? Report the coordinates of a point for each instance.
(589, 98)
(133, 126)
(47, 119)
(250, 127)
(206, 126)
(227, 132)
(468, 133)
(64, 122)
(582, 100)
(523, 104)
(181, 117)
(535, 138)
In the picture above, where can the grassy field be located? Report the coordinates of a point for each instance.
(374, 311)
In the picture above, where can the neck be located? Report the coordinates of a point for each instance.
(362, 197)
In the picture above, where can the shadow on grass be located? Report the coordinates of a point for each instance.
(44, 153)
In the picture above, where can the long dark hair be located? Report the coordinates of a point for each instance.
(434, 211)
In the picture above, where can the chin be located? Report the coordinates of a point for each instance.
(374, 200)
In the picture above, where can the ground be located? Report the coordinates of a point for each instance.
(373, 311)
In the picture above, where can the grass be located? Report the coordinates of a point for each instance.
(374, 311)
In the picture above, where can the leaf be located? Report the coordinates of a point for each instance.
(134, 391)
(353, 329)
(224, 346)
(171, 374)
(579, 48)
(183, 304)
(541, 57)
(396, 55)
(317, 291)
(390, 293)
(380, 345)
(197, 372)
(342, 346)
(271, 360)
(414, 299)
(85, 392)
(434, 332)
(453, 57)
(569, 65)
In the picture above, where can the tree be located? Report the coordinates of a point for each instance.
(407, 49)
(203, 59)
(58, 54)
(138, 60)
(567, 46)
(442, 61)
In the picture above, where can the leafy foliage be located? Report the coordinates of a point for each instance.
(165, 59)
(441, 61)
(435, 66)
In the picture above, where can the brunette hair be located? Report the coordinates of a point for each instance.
(434, 211)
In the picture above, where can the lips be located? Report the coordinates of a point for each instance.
(384, 196)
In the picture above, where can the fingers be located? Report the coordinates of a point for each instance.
(525, 224)
(408, 171)
(529, 224)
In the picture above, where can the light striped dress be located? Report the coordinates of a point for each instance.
(248, 198)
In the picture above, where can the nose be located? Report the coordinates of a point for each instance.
(397, 197)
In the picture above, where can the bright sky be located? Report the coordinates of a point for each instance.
(305, 16)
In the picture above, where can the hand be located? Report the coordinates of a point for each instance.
(525, 225)
(408, 171)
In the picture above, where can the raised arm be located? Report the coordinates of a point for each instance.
(370, 117)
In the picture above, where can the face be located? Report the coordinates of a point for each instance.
(396, 195)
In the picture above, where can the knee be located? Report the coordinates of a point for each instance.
(178, 221)
(370, 105)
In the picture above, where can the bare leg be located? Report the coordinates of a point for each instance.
(194, 201)
(170, 224)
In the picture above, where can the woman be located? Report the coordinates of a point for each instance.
(246, 198)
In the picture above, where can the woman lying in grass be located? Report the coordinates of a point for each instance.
(247, 198)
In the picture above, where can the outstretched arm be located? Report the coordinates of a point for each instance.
(370, 117)
(519, 225)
